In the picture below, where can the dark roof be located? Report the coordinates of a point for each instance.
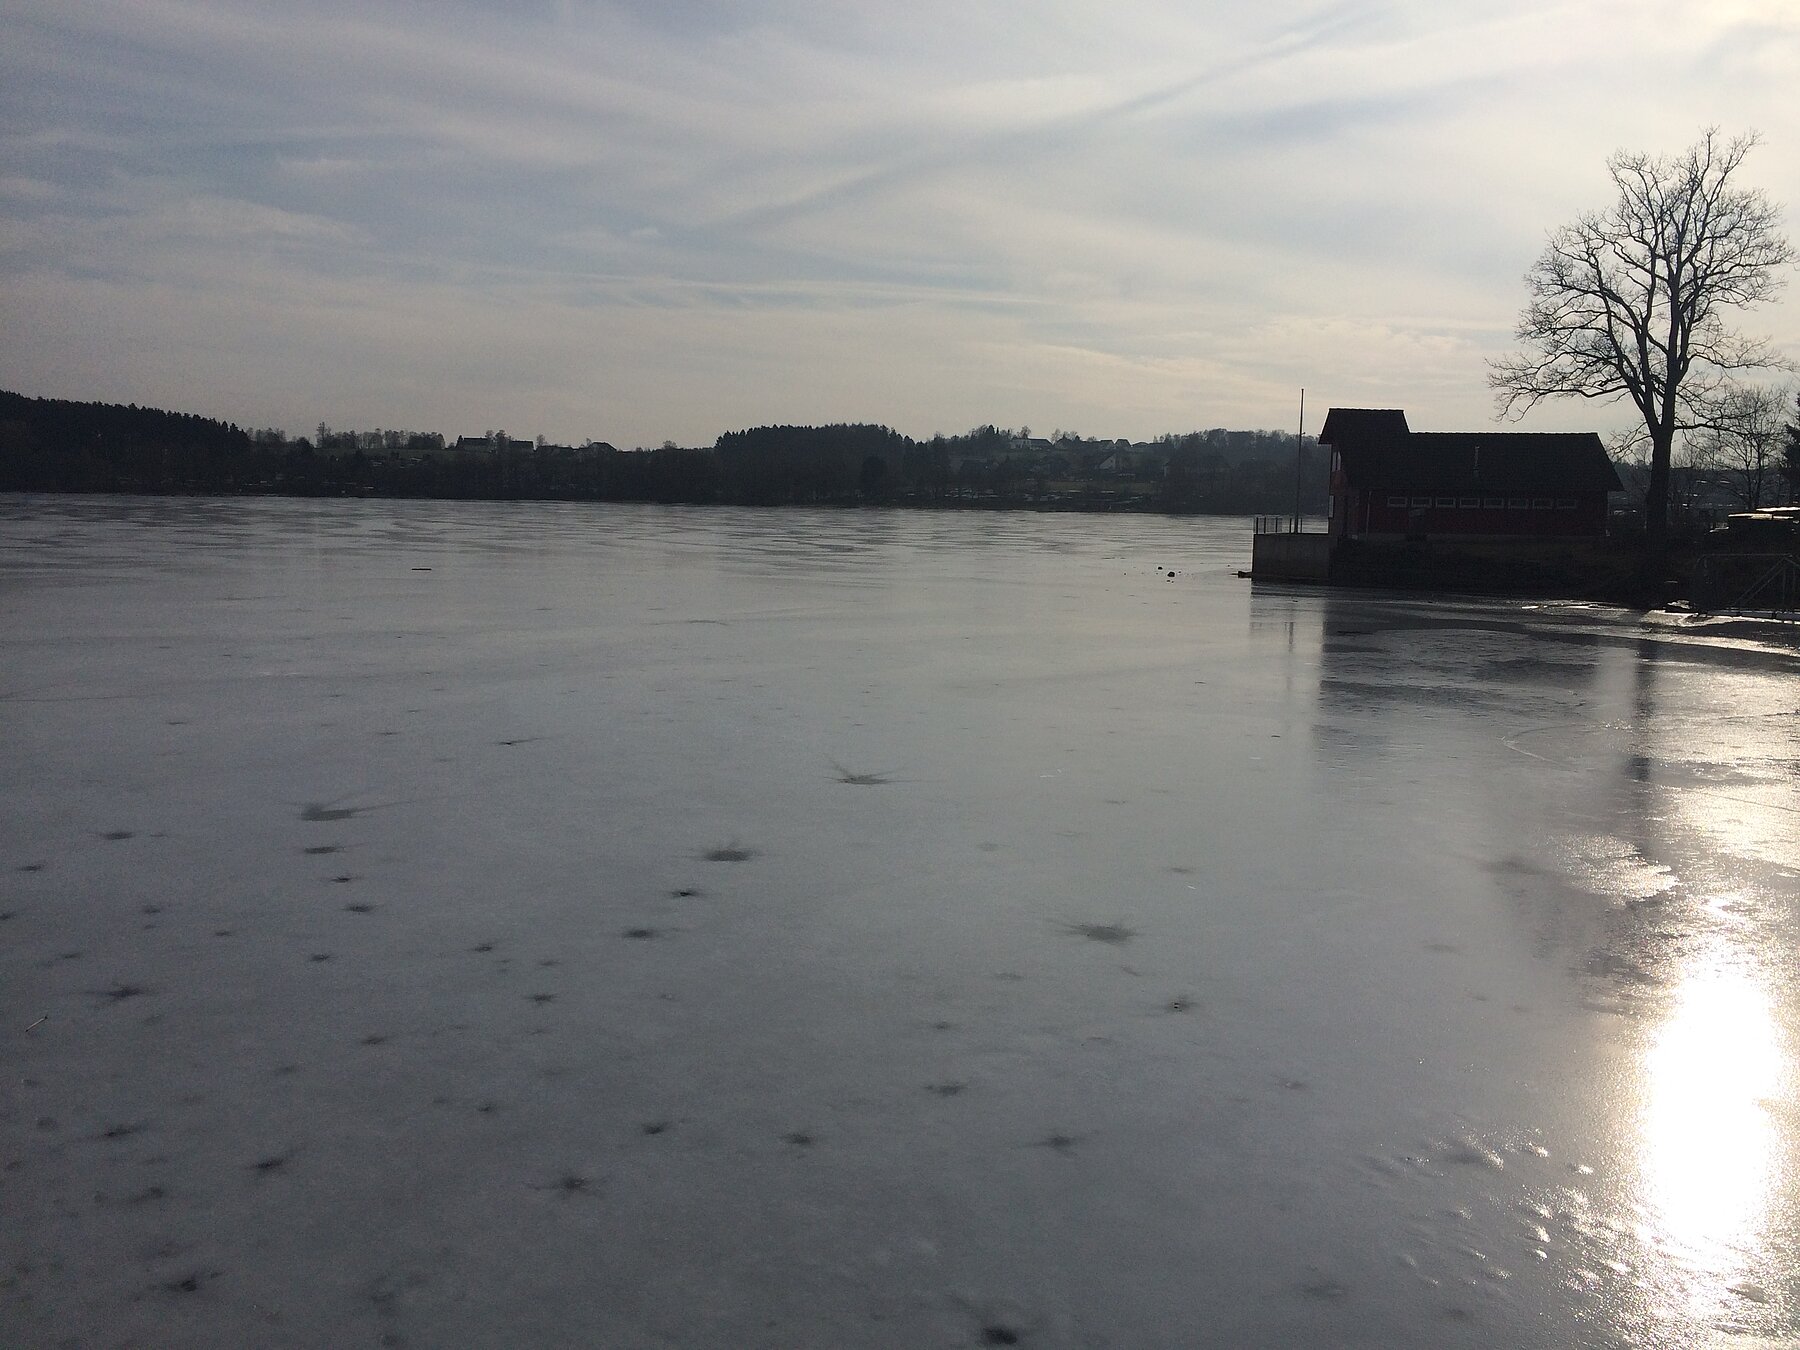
(1378, 451)
(1351, 428)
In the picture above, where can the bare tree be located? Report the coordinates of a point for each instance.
(1630, 302)
(1742, 441)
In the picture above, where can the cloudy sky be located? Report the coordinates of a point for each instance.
(638, 221)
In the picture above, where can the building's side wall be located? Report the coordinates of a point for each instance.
(1381, 511)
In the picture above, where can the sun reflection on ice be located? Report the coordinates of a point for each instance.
(1765, 826)
(1711, 1150)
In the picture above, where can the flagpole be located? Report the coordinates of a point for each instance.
(1299, 460)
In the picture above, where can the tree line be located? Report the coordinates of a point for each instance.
(59, 446)
(54, 445)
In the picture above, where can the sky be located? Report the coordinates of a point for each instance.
(635, 221)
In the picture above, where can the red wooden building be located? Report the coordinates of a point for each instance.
(1388, 480)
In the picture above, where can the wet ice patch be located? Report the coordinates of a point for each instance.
(852, 778)
(330, 812)
(1113, 934)
(1467, 1151)
(729, 853)
(1613, 867)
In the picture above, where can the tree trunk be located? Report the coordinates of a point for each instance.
(1656, 510)
(1656, 495)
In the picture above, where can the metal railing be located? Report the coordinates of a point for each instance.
(1767, 583)
(1290, 525)
(1776, 590)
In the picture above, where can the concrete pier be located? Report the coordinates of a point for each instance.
(1291, 557)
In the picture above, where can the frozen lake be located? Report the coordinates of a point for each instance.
(432, 924)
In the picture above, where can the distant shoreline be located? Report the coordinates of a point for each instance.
(53, 445)
(1045, 506)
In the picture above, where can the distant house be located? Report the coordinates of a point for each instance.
(1388, 480)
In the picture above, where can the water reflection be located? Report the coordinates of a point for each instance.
(1709, 1146)
(1647, 836)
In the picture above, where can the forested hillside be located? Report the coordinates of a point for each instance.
(51, 445)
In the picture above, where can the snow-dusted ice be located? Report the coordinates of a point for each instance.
(430, 924)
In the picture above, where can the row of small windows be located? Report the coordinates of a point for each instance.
(1490, 503)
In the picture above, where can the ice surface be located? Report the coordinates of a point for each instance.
(476, 924)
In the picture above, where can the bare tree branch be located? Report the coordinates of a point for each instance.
(1738, 435)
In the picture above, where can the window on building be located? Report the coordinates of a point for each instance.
(1565, 503)
(1518, 503)
(1446, 501)
(1493, 503)
(1542, 503)
(1421, 501)
(1468, 501)
(1396, 501)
